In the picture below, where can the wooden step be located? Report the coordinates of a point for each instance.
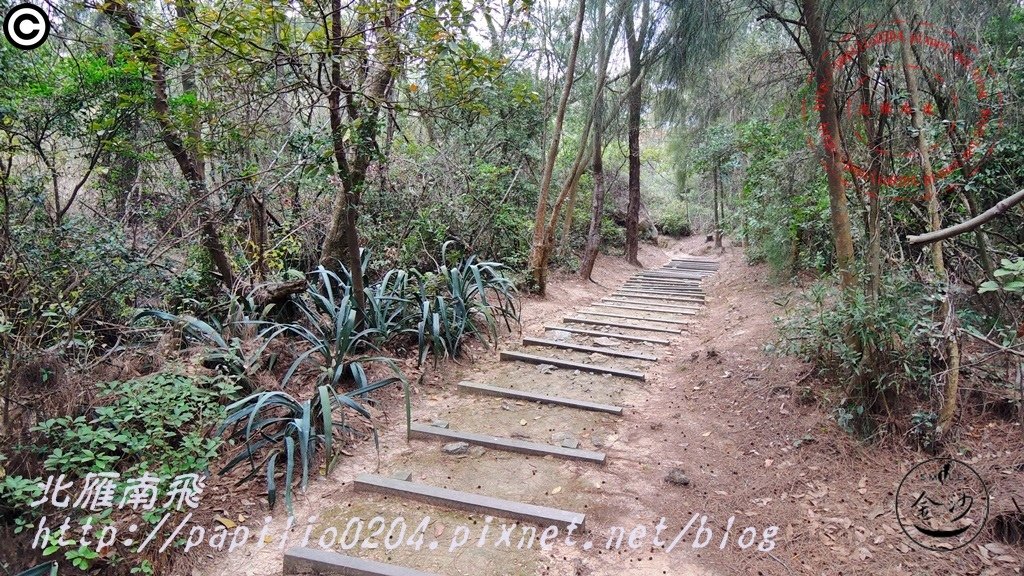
(313, 561)
(425, 431)
(692, 306)
(667, 284)
(476, 503)
(608, 334)
(641, 318)
(540, 398)
(580, 347)
(666, 277)
(594, 322)
(507, 356)
(663, 289)
(697, 288)
(689, 308)
(683, 312)
(654, 296)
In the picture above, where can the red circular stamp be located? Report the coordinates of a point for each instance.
(958, 96)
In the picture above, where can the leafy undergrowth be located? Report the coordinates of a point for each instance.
(265, 395)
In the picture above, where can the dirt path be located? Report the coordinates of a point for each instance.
(716, 408)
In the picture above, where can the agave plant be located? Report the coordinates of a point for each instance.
(468, 298)
(387, 307)
(332, 331)
(280, 433)
(222, 350)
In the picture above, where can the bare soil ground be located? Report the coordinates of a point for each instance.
(757, 448)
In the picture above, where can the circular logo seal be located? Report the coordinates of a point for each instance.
(942, 504)
(26, 26)
(959, 100)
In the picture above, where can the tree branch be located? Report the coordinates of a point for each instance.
(1000, 207)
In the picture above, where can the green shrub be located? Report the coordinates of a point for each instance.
(675, 221)
(157, 423)
(878, 349)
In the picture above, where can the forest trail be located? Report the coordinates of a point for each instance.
(714, 407)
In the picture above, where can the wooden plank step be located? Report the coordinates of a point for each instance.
(628, 317)
(667, 280)
(683, 311)
(662, 288)
(312, 561)
(541, 398)
(506, 356)
(593, 322)
(684, 307)
(654, 296)
(650, 288)
(476, 503)
(425, 431)
(667, 283)
(580, 347)
(608, 334)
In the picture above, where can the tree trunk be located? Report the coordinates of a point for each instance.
(833, 153)
(191, 170)
(716, 185)
(634, 109)
(948, 410)
(597, 200)
(363, 107)
(538, 256)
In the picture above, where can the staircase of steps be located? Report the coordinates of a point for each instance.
(570, 380)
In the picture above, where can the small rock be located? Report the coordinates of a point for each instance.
(676, 476)
(506, 406)
(570, 443)
(545, 368)
(657, 426)
(559, 436)
(559, 335)
(456, 448)
(606, 341)
(438, 423)
(598, 358)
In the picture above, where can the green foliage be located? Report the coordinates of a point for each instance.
(333, 333)
(280, 432)
(157, 423)
(784, 212)
(1010, 275)
(469, 298)
(878, 349)
(675, 221)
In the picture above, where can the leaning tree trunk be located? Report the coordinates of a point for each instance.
(834, 154)
(716, 185)
(538, 255)
(946, 312)
(191, 168)
(597, 200)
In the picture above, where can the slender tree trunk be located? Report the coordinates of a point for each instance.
(597, 200)
(633, 207)
(190, 168)
(874, 127)
(833, 153)
(538, 255)
(946, 312)
(716, 185)
(363, 110)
